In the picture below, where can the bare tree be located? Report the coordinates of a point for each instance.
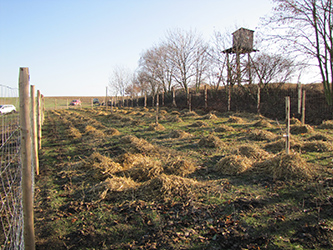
(306, 26)
(119, 80)
(185, 52)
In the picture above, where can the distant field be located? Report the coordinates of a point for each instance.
(55, 102)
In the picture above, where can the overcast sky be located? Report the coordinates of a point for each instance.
(71, 46)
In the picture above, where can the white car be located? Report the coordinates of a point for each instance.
(7, 108)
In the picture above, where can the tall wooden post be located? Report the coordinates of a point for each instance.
(35, 161)
(27, 192)
(206, 97)
(287, 124)
(145, 103)
(157, 106)
(303, 108)
(189, 102)
(163, 97)
(299, 90)
(39, 119)
(258, 99)
(174, 97)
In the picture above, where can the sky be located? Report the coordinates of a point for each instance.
(72, 46)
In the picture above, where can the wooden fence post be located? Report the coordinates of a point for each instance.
(157, 105)
(39, 120)
(27, 192)
(287, 124)
(258, 99)
(206, 97)
(299, 99)
(303, 108)
(35, 161)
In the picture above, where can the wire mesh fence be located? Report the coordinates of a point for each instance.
(11, 213)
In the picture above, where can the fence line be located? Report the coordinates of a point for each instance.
(11, 213)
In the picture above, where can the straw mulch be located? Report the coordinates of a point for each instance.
(235, 119)
(156, 127)
(321, 137)
(105, 164)
(126, 119)
(114, 185)
(128, 160)
(233, 164)
(280, 145)
(112, 132)
(326, 124)
(139, 145)
(301, 129)
(285, 166)
(144, 170)
(190, 114)
(252, 151)
(74, 133)
(167, 187)
(137, 122)
(295, 121)
(163, 112)
(92, 131)
(175, 112)
(211, 141)
(261, 135)
(224, 128)
(179, 166)
(263, 124)
(199, 124)
(180, 134)
(209, 116)
(317, 146)
(175, 118)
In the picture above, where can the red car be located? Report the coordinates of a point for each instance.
(75, 103)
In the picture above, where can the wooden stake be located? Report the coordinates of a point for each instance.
(27, 191)
(39, 119)
(303, 108)
(206, 97)
(287, 124)
(35, 161)
(157, 104)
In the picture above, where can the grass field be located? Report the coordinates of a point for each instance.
(193, 181)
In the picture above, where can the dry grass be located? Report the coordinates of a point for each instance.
(175, 118)
(92, 131)
(199, 124)
(127, 160)
(252, 151)
(209, 116)
(295, 121)
(280, 145)
(263, 123)
(178, 134)
(139, 145)
(112, 132)
(74, 133)
(285, 166)
(224, 128)
(211, 141)
(233, 164)
(156, 127)
(326, 124)
(301, 129)
(105, 164)
(320, 137)
(235, 119)
(261, 135)
(179, 166)
(317, 146)
(167, 187)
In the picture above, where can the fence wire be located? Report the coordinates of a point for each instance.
(11, 213)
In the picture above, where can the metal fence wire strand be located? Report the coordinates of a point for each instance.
(11, 213)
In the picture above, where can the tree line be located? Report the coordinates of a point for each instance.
(299, 30)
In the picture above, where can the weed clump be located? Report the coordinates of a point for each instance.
(233, 164)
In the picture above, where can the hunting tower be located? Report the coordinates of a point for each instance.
(242, 44)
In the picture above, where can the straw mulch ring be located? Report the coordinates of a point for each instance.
(224, 128)
(209, 116)
(106, 165)
(326, 124)
(320, 137)
(175, 119)
(301, 129)
(156, 127)
(139, 145)
(233, 164)
(211, 141)
(179, 166)
(263, 124)
(144, 170)
(175, 112)
(178, 134)
(252, 151)
(285, 166)
(128, 160)
(199, 124)
(167, 187)
(112, 131)
(280, 145)
(235, 119)
(74, 133)
(295, 121)
(163, 112)
(92, 131)
(317, 146)
(261, 135)
(113, 186)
